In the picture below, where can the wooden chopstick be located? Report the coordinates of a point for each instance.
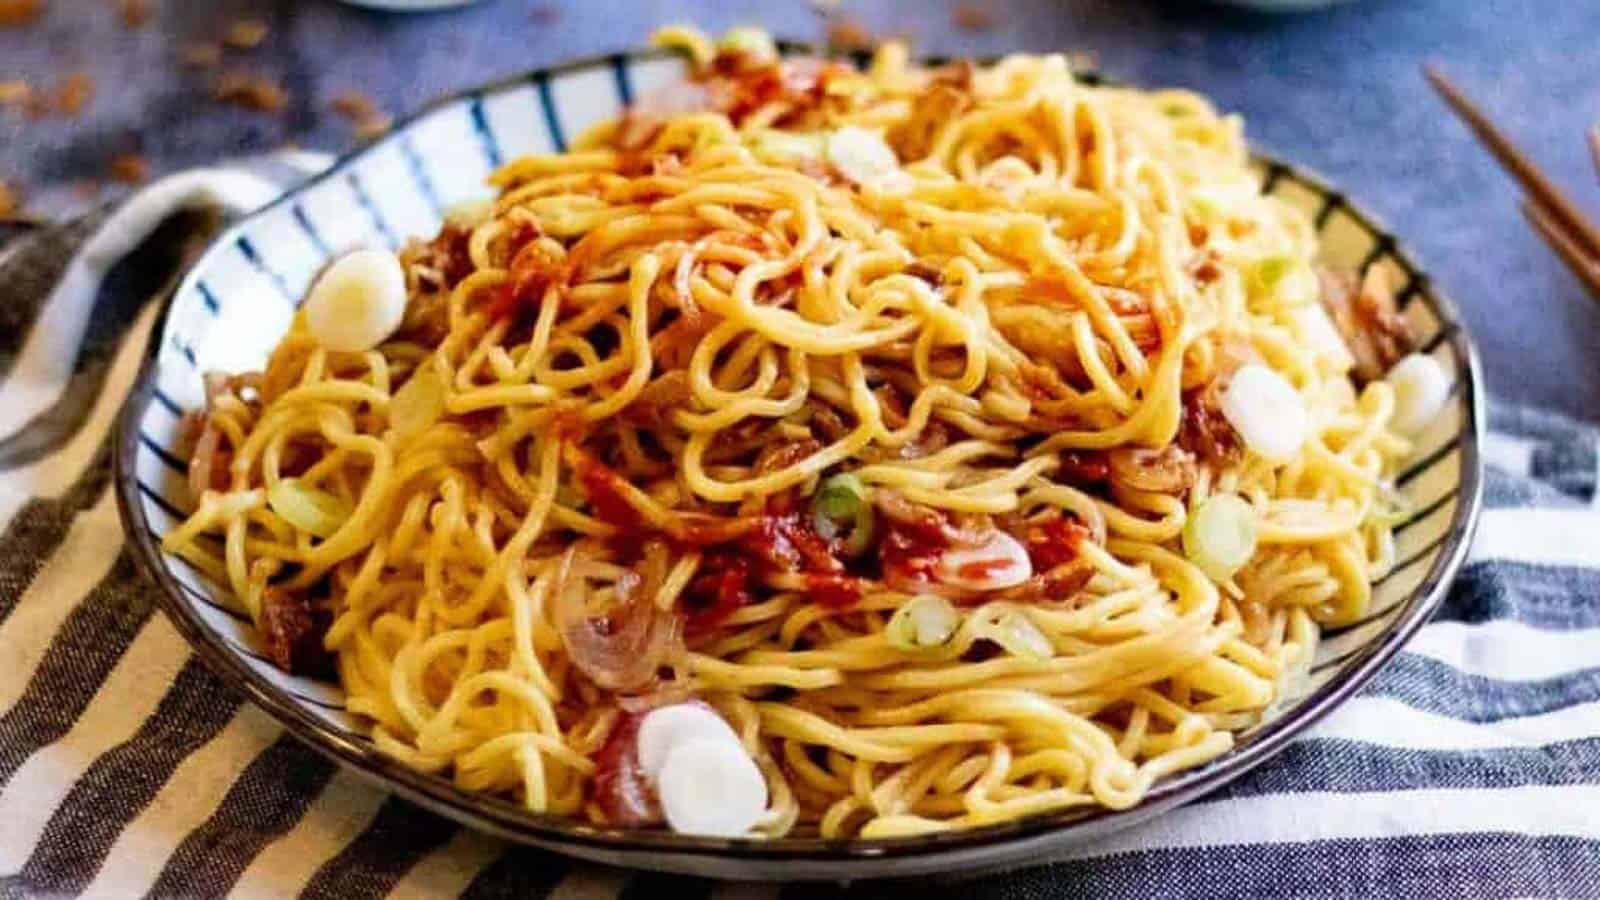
(1594, 147)
(1587, 270)
(1561, 211)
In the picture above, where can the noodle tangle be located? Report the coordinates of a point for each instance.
(585, 475)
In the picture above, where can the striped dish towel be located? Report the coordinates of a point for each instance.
(1468, 768)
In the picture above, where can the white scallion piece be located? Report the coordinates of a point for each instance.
(358, 302)
(862, 156)
(666, 727)
(710, 786)
(1267, 412)
(1220, 536)
(1420, 390)
(1389, 506)
(1315, 327)
(1018, 636)
(773, 145)
(925, 621)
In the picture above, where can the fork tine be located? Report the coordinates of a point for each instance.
(1562, 211)
(1559, 241)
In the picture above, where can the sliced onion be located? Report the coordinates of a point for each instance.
(419, 403)
(624, 651)
(1170, 470)
(999, 561)
(622, 790)
(668, 694)
(202, 463)
(942, 557)
(921, 519)
(1018, 636)
(925, 621)
(1220, 536)
(307, 509)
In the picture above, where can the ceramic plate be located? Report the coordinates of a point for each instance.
(230, 310)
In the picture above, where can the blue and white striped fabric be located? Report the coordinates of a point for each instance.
(1470, 767)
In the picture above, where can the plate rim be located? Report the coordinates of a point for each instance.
(795, 858)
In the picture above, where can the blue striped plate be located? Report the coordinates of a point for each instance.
(233, 306)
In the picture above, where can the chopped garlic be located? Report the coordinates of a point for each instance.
(358, 301)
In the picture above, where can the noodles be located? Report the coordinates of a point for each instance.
(696, 407)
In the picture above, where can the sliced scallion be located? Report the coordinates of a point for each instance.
(1270, 271)
(1220, 536)
(773, 145)
(419, 403)
(925, 621)
(1018, 636)
(841, 511)
(1389, 506)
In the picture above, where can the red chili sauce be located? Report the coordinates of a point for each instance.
(737, 551)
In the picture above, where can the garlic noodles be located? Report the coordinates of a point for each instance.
(972, 440)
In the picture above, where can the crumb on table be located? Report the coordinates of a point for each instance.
(245, 34)
(133, 13)
(20, 12)
(9, 204)
(130, 168)
(972, 17)
(362, 112)
(15, 93)
(254, 92)
(200, 55)
(847, 33)
(74, 93)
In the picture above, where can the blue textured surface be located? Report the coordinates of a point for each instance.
(1337, 90)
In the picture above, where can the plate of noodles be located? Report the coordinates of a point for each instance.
(725, 459)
